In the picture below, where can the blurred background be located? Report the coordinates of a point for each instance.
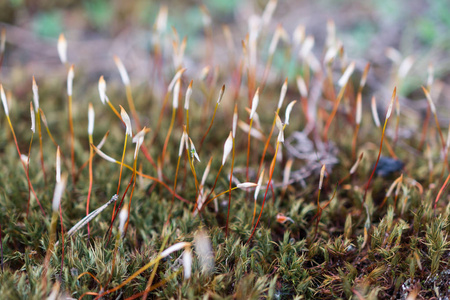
(98, 29)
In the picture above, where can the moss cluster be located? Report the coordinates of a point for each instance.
(350, 236)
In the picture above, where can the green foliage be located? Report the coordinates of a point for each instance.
(353, 246)
(99, 13)
(48, 24)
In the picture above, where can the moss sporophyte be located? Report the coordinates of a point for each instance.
(294, 170)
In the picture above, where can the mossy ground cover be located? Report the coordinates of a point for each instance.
(321, 226)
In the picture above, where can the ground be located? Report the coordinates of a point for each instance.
(345, 209)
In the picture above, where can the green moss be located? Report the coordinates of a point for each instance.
(351, 247)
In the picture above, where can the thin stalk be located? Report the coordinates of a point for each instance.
(152, 276)
(156, 285)
(126, 119)
(132, 189)
(424, 129)
(113, 264)
(320, 210)
(143, 148)
(115, 111)
(266, 146)
(85, 164)
(191, 165)
(41, 113)
(197, 186)
(357, 121)
(161, 114)
(23, 164)
(352, 170)
(218, 195)
(62, 241)
(120, 172)
(397, 122)
(132, 107)
(91, 122)
(254, 106)
(207, 89)
(28, 172)
(238, 80)
(254, 213)
(116, 247)
(272, 167)
(128, 280)
(38, 119)
(233, 135)
(231, 179)
(147, 176)
(381, 144)
(440, 131)
(251, 82)
(209, 128)
(273, 193)
(318, 199)
(440, 192)
(389, 192)
(174, 188)
(430, 80)
(303, 91)
(44, 120)
(433, 110)
(93, 277)
(166, 142)
(109, 231)
(355, 136)
(212, 190)
(286, 175)
(139, 140)
(266, 72)
(91, 155)
(88, 293)
(333, 112)
(72, 139)
(147, 156)
(248, 148)
(49, 251)
(390, 150)
(306, 73)
(331, 91)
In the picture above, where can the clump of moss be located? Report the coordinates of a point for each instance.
(321, 223)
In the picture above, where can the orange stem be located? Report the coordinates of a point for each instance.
(229, 195)
(272, 167)
(72, 140)
(23, 164)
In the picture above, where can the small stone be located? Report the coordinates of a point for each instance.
(387, 166)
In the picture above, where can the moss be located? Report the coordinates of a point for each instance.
(340, 243)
